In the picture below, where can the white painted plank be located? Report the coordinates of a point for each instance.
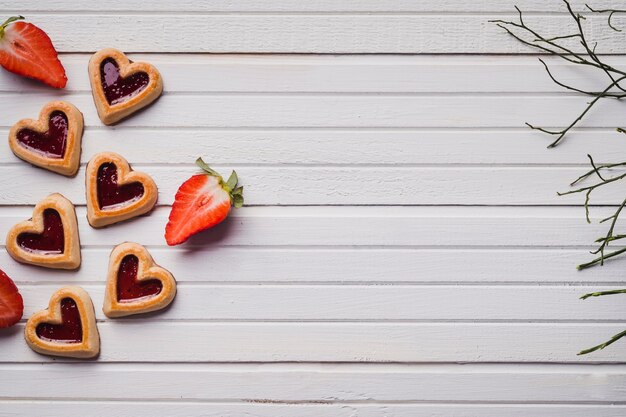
(395, 100)
(344, 265)
(365, 303)
(328, 110)
(336, 110)
(342, 73)
(359, 226)
(320, 383)
(348, 147)
(340, 146)
(291, 6)
(156, 341)
(259, 408)
(449, 185)
(302, 33)
(345, 147)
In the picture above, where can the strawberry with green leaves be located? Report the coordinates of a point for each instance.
(201, 202)
(11, 303)
(26, 50)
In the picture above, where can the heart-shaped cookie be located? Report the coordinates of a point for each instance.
(52, 141)
(135, 284)
(50, 239)
(115, 192)
(66, 328)
(119, 86)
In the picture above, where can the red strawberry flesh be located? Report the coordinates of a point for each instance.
(28, 51)
(201, 202)
(11, 303)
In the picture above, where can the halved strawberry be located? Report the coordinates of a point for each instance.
(11, 303)
(27, 50)
(201, 202)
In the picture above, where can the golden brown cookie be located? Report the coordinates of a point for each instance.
(135, 283)
(67, 328)
(50, 239)
(115, 192)
(119, 86)
(51, 142)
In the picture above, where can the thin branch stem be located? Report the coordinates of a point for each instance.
(609, 237)
(607, 240)
(553, 46)
(591, 52)
(595, 168)
(600, 259)
(569, 87)
(587, 174)
(611, 12)
(561, 133)
(603, 345)
(594, 186)
(612, 238)
(602, 293)
(557, 38)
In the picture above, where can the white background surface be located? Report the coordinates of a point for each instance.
(402, 252)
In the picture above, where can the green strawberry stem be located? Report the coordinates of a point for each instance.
(8, 22)
(206, 168)
(230, 186)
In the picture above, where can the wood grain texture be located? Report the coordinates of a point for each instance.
(307, 33)
(277, 110)
(297, 186)
(347, 384)
(290, 6)
(348, 265)
(402, 252)
(344, 147)
(201, 341)
(367, 303)
(366, 75)
(204, 73)
(378, 227)
(260, 409)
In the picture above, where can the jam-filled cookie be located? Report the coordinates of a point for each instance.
(115, 192)
(50, 238)
(67, 327)
(135, 284)
(119, 86)
(52, 141)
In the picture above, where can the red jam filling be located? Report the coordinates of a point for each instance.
(51, 241)
(128, 288)
(118, 89)
(70, 331)
(50, 144)
(110, 195)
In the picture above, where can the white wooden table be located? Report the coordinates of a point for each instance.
(402, 252)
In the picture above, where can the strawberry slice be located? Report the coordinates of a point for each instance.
(11, 303)
(26, 50)
(201, 202)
